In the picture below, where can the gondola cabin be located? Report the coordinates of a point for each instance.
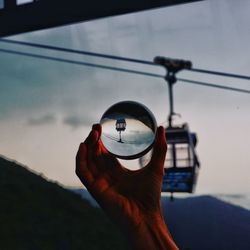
(120, 124)
(181, 165)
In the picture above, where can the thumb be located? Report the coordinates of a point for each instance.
(93, 136)
(159, 151)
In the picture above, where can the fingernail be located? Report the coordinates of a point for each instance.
(95, 126)
(160, 131)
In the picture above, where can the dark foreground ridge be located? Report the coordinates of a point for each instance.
(207, 223)
(203, 223)
(38, 214)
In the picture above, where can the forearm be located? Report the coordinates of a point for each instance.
(152, 234)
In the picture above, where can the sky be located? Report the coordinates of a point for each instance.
(47, 108)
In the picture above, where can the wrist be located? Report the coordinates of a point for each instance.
(151, 233)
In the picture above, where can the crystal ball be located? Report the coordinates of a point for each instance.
(128, 130)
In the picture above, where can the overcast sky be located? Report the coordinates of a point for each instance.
(47, 108)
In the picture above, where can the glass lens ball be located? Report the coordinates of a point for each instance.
(128, 130)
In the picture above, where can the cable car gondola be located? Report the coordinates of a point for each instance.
(181, 165)
(120, 126)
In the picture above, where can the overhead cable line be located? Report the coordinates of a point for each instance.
(220, 73)
(214, 85)
(127, 59)
(74, 51)
(124, 70)
(80, 63)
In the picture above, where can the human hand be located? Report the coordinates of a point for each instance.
(130, 198)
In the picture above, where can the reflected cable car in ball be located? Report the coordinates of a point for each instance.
(181, 165)
(120, 126)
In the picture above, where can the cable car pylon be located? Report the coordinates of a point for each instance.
(181, 164)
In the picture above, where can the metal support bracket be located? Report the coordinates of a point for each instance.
(172, 67)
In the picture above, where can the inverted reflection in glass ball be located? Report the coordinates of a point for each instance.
(128, 130)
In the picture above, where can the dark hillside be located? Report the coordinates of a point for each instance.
(204, 223)
(38, 214)
(207, 223)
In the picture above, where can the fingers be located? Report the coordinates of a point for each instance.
(93, 136)
(82, 170)
(93, 160)
(98, 128)
(100, 149)
(85, 170)
(159, 151)
(105, 161)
